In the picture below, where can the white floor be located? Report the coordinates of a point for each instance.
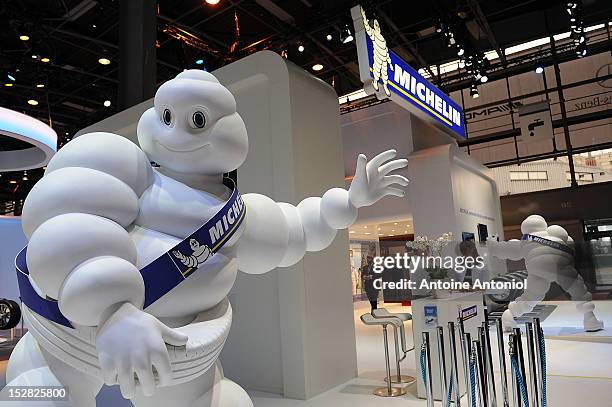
(579, 366)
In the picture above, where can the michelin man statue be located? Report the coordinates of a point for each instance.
(549, 256)
(117, 286)
(382, 59)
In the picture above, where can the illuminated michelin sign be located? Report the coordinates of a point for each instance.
(385, 73)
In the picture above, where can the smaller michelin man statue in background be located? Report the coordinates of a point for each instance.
(382, 59)
(117, 286)
(549, 257)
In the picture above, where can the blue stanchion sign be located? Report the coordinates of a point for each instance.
(389, 75)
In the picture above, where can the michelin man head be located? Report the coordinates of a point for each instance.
(533, 224)
(376, 25)
(193, 126)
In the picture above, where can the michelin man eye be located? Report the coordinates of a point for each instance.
(167, 116)
(199, 120)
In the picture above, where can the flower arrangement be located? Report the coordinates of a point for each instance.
(430, 248)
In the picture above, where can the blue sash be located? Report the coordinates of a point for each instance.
(162, 274)
(550, 243)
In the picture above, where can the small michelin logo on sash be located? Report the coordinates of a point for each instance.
(200, 254)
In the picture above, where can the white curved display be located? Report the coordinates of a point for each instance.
(166, 350)
(25, 128)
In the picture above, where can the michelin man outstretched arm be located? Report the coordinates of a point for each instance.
(284, 233)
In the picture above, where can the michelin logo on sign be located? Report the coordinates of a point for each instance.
(404, 85)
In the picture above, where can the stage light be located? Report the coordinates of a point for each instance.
(474, 91)
(24, 37)
(11, 77)
(104, 61)
(32, 102)
(199, 61)
(317, 67)
(301, 48)
(213, 2)
(45, 59)
(461, 63)
(40, 85)
(346, 35)
(34, 56)
(107, 103)
(484, 78)
(329, 37)
(461, 51)
(8, 84)
(25, 176)
(539, 69)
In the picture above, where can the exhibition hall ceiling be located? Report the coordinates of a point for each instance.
(375, 231)
(59, 58)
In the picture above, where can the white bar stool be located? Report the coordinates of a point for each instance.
(369, 319)
(400, 318)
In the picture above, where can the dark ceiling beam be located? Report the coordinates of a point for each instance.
(352, 68)
(484, 24)
(413, 51)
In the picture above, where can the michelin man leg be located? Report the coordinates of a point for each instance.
(208, 390)
(376, 78)
(574, 285)
(536, 290)
(30, 365)
(384, 74)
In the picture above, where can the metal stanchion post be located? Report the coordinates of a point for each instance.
(484, 370)
(520, 357)
(480, 373)
(465, 356)
(428, 377)
(489, 365)
(502, 361)
(531, 360)
(454, 364)
(516, 393)
(541, 361)
(442, 366)
(468, 350)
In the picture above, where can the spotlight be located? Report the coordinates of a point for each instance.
(329, 37)
(301, 48)
(104, 61)
(474, 91)
(461, 51)
(539, 69)
(213, 2)
(44, 59)
(317, 67)
(484, 78)
(24, 37)
(199, 61)
(32, 102)
(107, 103)
(346, 35)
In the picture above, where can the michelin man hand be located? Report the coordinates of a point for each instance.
(372, 182)
(131, 346)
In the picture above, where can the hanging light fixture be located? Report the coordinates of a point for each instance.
(474, 91)
(346, 35)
